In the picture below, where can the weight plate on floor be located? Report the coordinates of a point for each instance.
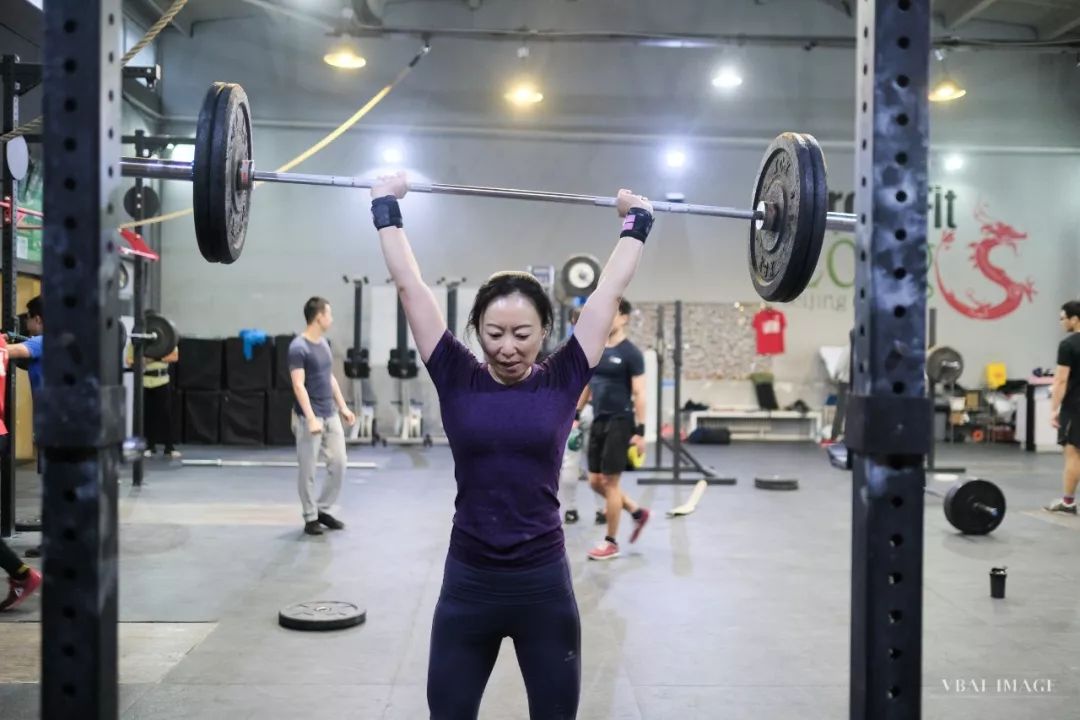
(580, 274)
(166, 336)
(321, 615)
(785, 245)
(975, 507)
(776, 483)
(147, 202)
(223, 149)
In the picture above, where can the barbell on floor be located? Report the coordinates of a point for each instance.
(974, 506)
(788, 219)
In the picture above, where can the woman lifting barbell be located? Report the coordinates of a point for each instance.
(507, 420)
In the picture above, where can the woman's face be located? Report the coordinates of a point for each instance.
(511, 336)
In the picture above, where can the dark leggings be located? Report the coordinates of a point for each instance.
(9, 561)
(477, 608)
(159, 420)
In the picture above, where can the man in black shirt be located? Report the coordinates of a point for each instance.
(617, 392)
(1065, 406)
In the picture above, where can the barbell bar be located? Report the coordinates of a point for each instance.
(179, 170)
(788, 217)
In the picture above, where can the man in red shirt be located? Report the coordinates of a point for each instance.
(23, 580)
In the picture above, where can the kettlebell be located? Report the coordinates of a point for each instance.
(634, 459)
(574, 440)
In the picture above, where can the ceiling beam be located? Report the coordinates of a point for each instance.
(958, 12)
(1059, 26)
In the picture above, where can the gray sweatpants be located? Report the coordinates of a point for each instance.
(332, 442)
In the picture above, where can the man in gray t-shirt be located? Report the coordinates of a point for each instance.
(316, 425)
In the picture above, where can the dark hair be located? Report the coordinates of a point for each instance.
(35, 308)
(313, 307)
(624, 306)
(506, 283)
(1071, 309)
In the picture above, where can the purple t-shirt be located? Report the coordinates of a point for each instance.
(507, 442)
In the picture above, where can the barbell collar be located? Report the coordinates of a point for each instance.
(178, 170)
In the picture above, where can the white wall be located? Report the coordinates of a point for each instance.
(455, 129)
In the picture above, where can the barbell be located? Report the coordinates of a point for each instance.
(788, 219)
(159, 339)
(973, 506)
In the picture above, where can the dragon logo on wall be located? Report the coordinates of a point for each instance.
(994, 234)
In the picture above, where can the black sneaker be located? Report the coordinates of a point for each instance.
(570, 517)
(311, 527)
(330, 521)
(601, 518)
(34, 552)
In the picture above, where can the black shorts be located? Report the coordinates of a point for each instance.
(609, 439)
(1069, 428)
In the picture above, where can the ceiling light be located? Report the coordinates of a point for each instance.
(675, 158)
(392, 155)
(947, 90)
(524, 94)
(345, 56)
(727, 78)
(954, 162)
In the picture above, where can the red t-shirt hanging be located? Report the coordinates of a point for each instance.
(769, 325)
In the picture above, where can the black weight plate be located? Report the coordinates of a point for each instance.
(230, 148)
(963, 513)
(776, 483)
(149, 203)
(222, 143)
(778, 255)
(820, 206)
(321, 615)
(580, 275)
(200, 186)
(944, 364)
(166, 336)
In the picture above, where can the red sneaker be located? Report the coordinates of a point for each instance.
(19, 590)
(639, 524)
(604, 551)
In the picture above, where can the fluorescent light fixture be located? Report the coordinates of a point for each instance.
(392, 155)
(183, 152)
(524, 94)
(727, 78)
(954, 162)
(675, 158)
(947, 90)
(345, 56)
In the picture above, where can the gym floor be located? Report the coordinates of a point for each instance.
(740, 610)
